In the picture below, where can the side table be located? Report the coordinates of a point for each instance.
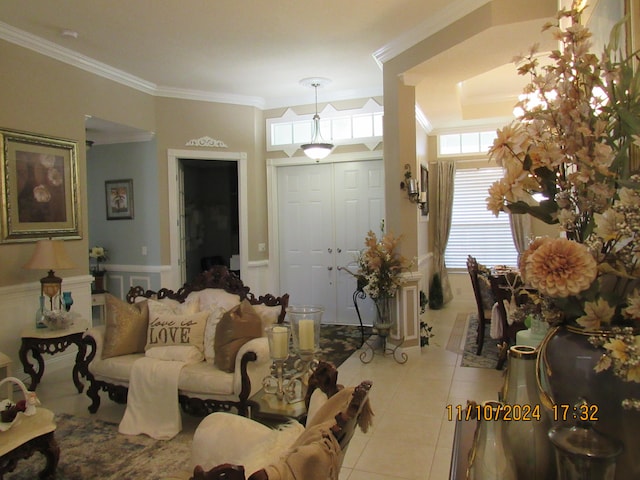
(45, 340)
(30, 434)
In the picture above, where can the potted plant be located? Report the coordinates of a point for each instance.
(97, 255)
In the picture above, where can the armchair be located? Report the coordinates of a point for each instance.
(226, 446)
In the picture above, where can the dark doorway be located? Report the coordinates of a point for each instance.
(211, 234)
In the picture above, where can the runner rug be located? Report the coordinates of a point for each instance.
(468, 323)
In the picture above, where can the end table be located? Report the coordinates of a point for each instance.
(45, 340)
(30, 434)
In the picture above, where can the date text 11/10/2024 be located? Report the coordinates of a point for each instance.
(522, 413)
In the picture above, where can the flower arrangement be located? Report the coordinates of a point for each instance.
(380, 266)
(99, 254)
(571, 147)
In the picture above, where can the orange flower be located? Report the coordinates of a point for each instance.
(561, 268)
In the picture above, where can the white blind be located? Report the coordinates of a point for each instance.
(474, 229)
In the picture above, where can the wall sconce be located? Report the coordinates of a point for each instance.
(412, 186)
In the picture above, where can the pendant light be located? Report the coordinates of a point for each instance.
(317, 149)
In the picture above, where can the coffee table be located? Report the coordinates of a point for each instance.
(266, 408)
(30, 434)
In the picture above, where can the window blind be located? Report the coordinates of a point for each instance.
(474, 229)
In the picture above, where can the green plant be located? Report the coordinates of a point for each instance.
(436, 298)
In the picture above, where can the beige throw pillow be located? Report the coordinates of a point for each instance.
(125, 327)
(235, 328)
(176, 330)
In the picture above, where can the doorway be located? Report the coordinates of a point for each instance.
(324, 214)
(177, 243)
(211, 220)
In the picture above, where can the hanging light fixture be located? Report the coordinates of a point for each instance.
(317, 149)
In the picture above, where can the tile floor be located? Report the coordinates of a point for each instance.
(411, 437)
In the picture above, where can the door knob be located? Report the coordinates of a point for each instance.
(329, 268)
(330, 250)
(339, 250)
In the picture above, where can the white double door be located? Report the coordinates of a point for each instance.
(324, 214)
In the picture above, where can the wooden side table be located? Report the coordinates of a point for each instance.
(45, 340)
(99, 301)
(28, 435)
(5, 364)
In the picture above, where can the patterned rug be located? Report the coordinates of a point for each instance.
(489, 356)
(93, 449)
(338, 342)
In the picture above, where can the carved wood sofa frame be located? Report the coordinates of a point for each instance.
(218, 277)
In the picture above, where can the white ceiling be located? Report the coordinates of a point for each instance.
(255, 52)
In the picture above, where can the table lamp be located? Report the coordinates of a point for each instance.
(50, 255)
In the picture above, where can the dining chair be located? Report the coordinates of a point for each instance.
(484, 297)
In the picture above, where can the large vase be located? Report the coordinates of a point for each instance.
(566, 363)
(383, 315)
(526, 422)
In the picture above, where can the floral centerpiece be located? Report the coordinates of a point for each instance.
(571, 147)
(380, 269)
(567, 161)
(98, 254)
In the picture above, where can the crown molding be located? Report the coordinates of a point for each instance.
(70, 57)
(452, 12)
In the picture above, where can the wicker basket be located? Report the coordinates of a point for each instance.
(29, 397)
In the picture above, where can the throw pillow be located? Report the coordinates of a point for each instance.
(235, 328)
(215, 314)
(176, 330)
(167, 306)
(125, 327)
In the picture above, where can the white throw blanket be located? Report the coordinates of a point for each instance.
(152, 402)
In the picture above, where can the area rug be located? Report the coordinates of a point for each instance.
(93, 449)
(338, 342)
(469, 323)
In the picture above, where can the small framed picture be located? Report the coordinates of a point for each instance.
(119, 198)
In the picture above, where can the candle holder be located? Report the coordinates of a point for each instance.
(278, 336)
(305, 327)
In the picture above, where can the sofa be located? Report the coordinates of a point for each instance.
(214, 324)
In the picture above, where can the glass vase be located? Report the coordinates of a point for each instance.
(67, 300)
(40, 313)
(490, 459)
(528, 423)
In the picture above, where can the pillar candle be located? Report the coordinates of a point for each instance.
(306, 334)
(280, 342)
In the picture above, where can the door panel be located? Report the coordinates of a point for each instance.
(305, 220)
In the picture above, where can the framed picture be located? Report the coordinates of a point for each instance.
(39, 187)
(119, 196)
(424, 189)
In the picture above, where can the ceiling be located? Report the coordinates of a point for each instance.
(255, 52)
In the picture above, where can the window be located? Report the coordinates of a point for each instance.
(474, 229)
(465, 143)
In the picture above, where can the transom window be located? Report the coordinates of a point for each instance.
(344, 127)
(465, 143)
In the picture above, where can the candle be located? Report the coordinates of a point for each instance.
(306, 334)
(423, 197)
(280, 337)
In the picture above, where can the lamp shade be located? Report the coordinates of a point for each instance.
(317, 151)
(49, 255)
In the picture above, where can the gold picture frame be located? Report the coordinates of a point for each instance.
(119, 199)
(39, 187)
